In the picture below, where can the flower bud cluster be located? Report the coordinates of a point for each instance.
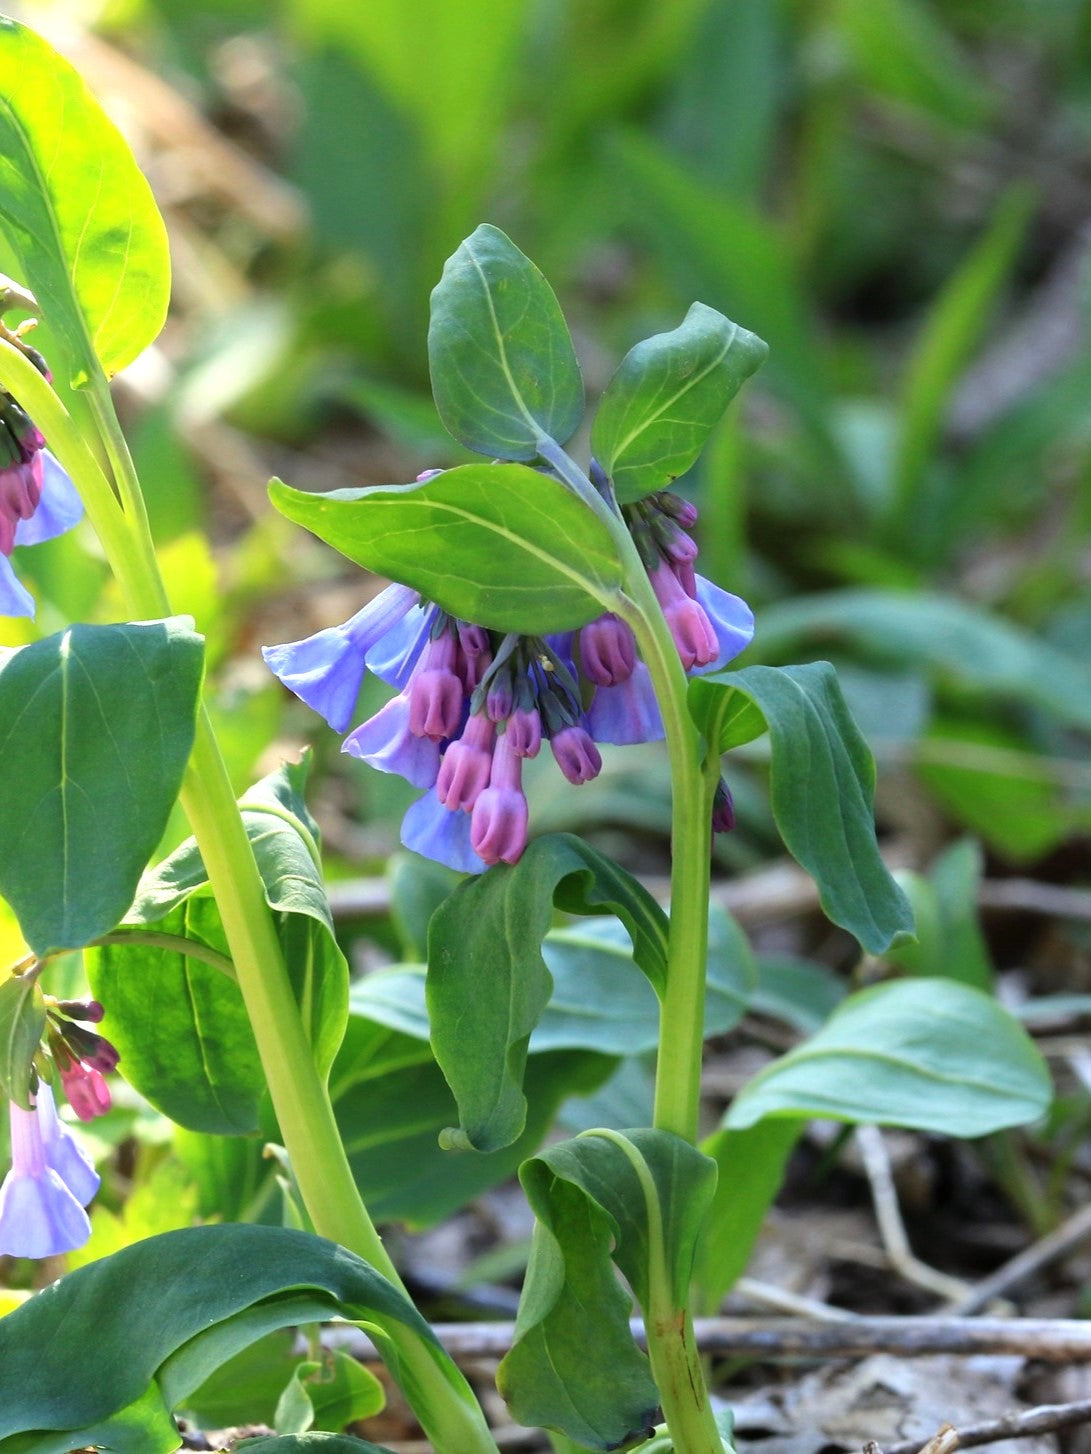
(472, 705)
(52, 1179)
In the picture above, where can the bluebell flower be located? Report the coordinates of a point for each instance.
(327, 670)
(41, 1209)
(37, 500)
(472, 704)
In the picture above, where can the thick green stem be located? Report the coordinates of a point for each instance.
(444, 1402)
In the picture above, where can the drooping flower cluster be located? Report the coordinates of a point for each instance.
(52, 1180)
(472, 704)
(37, 499)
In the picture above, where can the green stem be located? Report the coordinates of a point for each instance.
(444, 1402)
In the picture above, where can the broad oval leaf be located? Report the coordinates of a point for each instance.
(485, 970)
(501, 545)
(504, 373)
(77, 210)
(667, 395)
(161, 1316)
(929, 1054)
(179, 1020)
(638, 1198)
(822, 785)
(96, 726)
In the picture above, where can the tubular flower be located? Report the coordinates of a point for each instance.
(37, 499)
(472, 704)
(43, 1196)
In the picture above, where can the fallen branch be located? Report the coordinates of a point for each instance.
(1052, 1340)
(1046, 1419)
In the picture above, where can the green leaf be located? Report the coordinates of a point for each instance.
(180, 1021)
(822, 781)
(751, 1169)
(504, 373)
(638, 1197)
(328, 1394)
(96, 726)
(161, 1316)
(929, 1054)
(975, 649)
(485, 968)
(77, 210)
(501, 545)
(952, 331)
(22, 1024)
(670, 390)
(949, 938)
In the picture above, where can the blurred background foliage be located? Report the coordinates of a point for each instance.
(894, 193)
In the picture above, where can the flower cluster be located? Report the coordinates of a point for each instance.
(52, 1180)
(37, 499)
(472, 704)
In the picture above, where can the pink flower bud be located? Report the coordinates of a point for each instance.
(577, 756)
(20, 491)
(689, 625)
(435, 691)
(467, 763)
(498, 828)
(607, 651)
(525, 731)
(87, 1092)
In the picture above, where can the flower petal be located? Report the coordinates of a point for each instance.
(626, 713)
(395, 656)
(15, 599)
(58, 510)
(438, 833)
(63, 1153)
(732, 620)
(326, 670)
(39, 1216)
(386, 742)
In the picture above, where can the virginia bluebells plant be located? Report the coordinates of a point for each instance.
(37, 499)
(473, 705)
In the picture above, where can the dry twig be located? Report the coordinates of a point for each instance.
(1045, 1419)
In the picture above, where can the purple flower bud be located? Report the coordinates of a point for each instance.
(435, 691)
(470, 667)
(524, 731)
(689, 626)
(467, 763)
(577, 756)
(501, 696)
(683, 511)
(474, 640)
(498, 827)
(686, 577)
(40, 1216)
(723, 809)
(89, 1010)
(679, 547)
(607, 651)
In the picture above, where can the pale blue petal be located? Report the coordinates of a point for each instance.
(15, 599)
(62, 1151)
(386, 742)
(394, 657)
(626, 713)
(58, 510)
(39, 1216)
(327, 670)
(732, 620)
(431, 829)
